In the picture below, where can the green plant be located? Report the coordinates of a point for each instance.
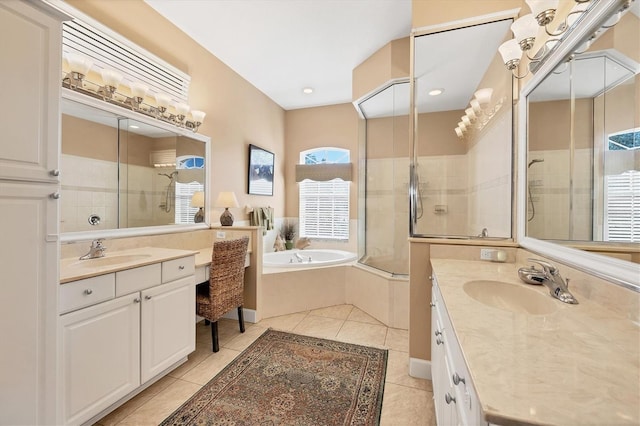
(288, 230)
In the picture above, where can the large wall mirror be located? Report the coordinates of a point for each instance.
(124, 175)
(463, 126)
(582, 180)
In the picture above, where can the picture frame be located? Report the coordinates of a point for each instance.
(261, 167)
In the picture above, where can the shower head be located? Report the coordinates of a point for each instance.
(535, 160)
(169, 176)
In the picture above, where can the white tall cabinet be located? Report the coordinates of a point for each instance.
(29, 186)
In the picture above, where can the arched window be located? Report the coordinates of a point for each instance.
(189, 181)
(323, 183)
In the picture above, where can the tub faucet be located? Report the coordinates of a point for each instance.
(96, 250)
(484, 233)
(550, 277)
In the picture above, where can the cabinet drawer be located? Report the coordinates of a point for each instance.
(136, 279)
(178, 268)
(87, 292)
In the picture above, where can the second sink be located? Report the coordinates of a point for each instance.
(109, 260)
(510, 297)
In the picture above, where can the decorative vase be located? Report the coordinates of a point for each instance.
(288, 244)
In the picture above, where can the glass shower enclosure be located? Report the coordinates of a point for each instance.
(385, 158)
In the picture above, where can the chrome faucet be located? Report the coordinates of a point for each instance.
(484, 233)
(299, 257)
(550, 277)
(96, 250)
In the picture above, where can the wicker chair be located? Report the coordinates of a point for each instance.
(226, 285)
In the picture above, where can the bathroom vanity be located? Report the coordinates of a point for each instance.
(528, 358)
(126, 319)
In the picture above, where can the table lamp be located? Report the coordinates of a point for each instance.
(197, 200)
(226, 200)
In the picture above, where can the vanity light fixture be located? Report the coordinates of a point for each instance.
(479, 112)
(107, 90)
(483, 96)
(525, 30)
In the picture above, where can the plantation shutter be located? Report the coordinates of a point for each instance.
(324, 209)
(622, 207)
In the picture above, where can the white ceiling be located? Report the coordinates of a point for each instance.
(283, 46)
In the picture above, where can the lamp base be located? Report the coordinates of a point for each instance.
(226, 218)
(199, 216)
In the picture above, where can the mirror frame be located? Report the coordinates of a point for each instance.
(611, 269)
(68, 237)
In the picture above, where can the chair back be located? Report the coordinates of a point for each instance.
(226, 276)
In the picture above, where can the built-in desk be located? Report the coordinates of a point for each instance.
(203, 261)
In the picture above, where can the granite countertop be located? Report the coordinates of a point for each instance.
(72, 269)
(577, 365)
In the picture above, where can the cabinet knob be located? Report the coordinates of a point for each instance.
(457, 379)
(449, 399)
(55, 172)
(136, 300)
(439, 341)
(55, 195)
(147, 297)
(181, 267)
(88, 291)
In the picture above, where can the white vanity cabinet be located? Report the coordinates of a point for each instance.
(455, 398)
(111, 349)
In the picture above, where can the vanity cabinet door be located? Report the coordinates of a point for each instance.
(168, 325)
(100, 356)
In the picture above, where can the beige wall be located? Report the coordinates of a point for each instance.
(237, 113)
(333, 126)
(388, 63)
(434, 12)
(88, 139)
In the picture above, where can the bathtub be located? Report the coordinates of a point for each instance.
(306, 258)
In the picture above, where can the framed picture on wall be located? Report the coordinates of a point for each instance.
(261, 163)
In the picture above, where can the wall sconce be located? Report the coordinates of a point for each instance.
(197, 119)
(227, 200)
(197, 200)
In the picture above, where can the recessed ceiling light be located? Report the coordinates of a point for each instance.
(307, 90)
(133, 126)
(436, 92)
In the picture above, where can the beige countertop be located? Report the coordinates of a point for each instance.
(72, 269)
(578, 365)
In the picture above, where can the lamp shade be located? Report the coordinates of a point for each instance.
(539, 6)
(227, 200)
(484, 95)
(458, 132)
(510, 51)
(197, 199)
(198, 116)
(78, 63)
(469, 112)
(110, 77)
(139, 90)
(475, 104)
(462, 126)
(163, 100)
(466, 120)
(182, 108)
(525, 27)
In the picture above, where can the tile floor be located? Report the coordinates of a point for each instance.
(407, 401)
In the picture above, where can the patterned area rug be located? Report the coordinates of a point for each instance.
(288, 379)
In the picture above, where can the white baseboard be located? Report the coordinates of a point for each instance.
(420, 368)
(250, 315)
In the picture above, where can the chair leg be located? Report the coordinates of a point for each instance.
(214, 336)
(206, 322)
(241, 319)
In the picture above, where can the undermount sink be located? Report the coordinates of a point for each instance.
(109, 260)
(510, 297)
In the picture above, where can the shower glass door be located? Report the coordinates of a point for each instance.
(386, 194)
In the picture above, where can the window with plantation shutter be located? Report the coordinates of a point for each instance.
(186, 187)
(622, 207)
(324, 205)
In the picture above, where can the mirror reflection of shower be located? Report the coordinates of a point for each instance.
(532, 214)
(170, 192)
